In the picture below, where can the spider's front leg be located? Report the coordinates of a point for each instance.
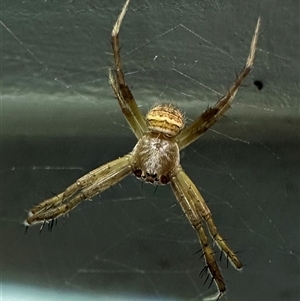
(125, 98)
(197, 212)
(84, 188)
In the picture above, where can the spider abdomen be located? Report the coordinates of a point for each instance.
(154, 158)
(165, 119)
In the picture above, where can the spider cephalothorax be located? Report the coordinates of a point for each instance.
(154, 159)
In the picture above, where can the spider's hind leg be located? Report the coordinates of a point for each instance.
(125, 98)
(209, 117)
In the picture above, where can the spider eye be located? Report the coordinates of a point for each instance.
(164, 179)
(138, 173)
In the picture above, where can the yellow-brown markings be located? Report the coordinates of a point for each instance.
(165, 119)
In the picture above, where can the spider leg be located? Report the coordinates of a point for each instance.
(86, 180)
(212, 114)
(197, 212)
(84, 188)
(125, 98)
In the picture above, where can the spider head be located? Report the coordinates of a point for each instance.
(165, 119)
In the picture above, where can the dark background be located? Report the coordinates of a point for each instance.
(59, 120)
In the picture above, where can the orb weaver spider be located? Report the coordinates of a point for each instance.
(154, 159)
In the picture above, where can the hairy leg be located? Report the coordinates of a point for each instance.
(198, 213)
(84, 188)
(125, 98)
(209, 117)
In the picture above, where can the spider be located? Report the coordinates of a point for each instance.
(155, 159)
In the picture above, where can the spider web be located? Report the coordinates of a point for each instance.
(59, 121)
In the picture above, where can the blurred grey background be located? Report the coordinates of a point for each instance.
(59, 120)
